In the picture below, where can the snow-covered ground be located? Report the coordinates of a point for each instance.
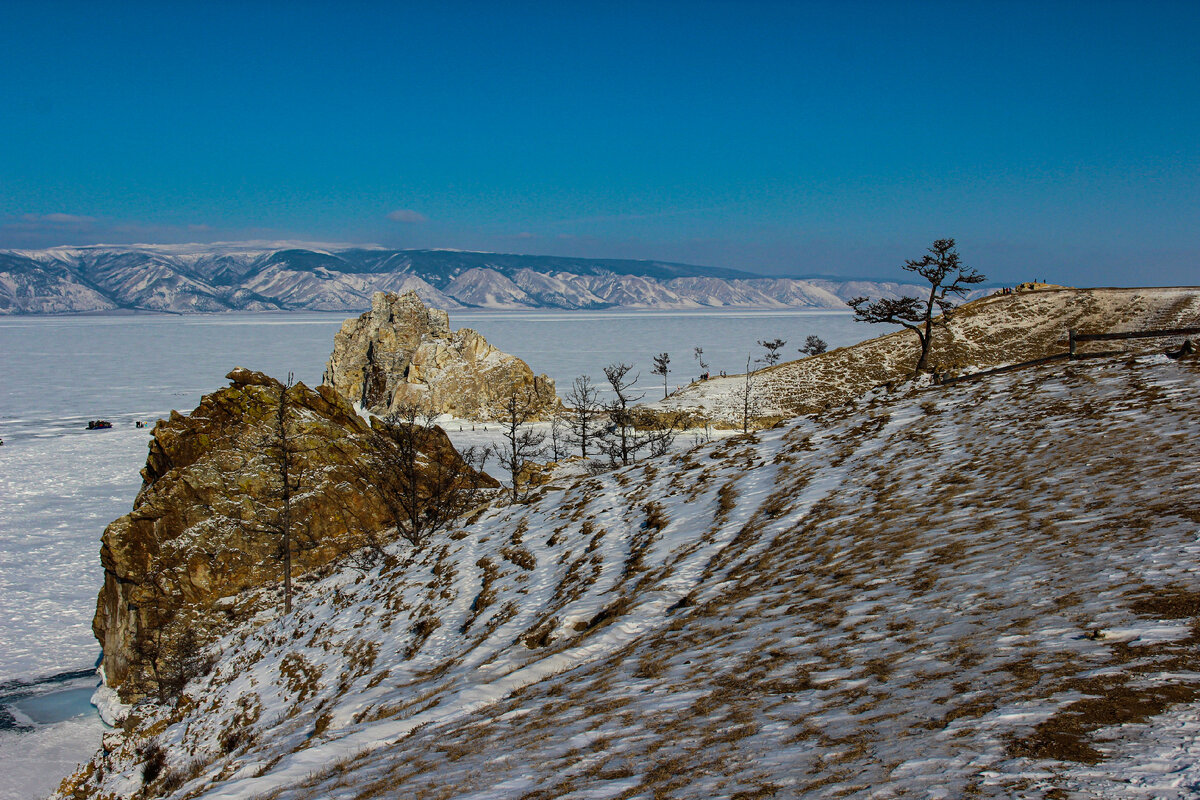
(988, 589)
(61, 484)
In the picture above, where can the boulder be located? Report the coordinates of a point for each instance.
(206, 523)
(401, 352)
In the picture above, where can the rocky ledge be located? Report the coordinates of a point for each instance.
(401, 352)
(206, 524)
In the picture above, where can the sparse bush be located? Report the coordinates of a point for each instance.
(541, 635)
(426, 626)
(232, 739)
(154, 758)
(174, 778)
(656, 517)
(726, 499)
(519, 556)
(596, 466)
(609, 612)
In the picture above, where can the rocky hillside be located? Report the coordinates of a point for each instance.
(403, 353)
(206, 525)
(986, 333)
(189, 278)
(986, 589)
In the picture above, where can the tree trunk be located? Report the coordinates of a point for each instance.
(921, 362)
(286, 514)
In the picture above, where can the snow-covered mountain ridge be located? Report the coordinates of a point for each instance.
(986, 589)
(262, 276)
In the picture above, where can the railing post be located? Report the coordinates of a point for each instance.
(1071, 343)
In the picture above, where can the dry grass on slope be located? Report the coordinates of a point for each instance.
(957, 594)
(993, 331)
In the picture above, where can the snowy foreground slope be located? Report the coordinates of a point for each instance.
(986, 589)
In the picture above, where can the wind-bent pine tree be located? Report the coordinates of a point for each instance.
(939, 265)
(772, 346)
(814, 345)
(662, 367)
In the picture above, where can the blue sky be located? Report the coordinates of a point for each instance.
(1052, 140)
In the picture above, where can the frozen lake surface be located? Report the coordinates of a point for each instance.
(60, 484)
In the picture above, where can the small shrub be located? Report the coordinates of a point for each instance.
(426, 626)
(422, 630)
(519, 556)
(609, 612)
(541, 635)
(726, 499)
(232, 739)
(154, 758)
(174, 778)
(656, 517)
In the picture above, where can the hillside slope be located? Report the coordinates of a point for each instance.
(989, 332)
(986, 589)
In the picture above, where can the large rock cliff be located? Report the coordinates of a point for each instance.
(206, 526)
(401, 352)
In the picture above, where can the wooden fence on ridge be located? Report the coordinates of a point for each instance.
(1072, 354)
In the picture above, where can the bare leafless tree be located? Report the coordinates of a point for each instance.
(630, 430)
(559, 428)
(276, 518)
(947, 276)
(658, 431)
(585, 407)
(169, 649)
(621, 440)
(747, 400)
(521, 445)
(423, 481)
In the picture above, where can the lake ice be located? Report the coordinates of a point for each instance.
(60, 484)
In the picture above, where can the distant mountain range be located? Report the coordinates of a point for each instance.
(265, 277)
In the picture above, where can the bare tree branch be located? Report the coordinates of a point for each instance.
(936, 266)
(521, 446)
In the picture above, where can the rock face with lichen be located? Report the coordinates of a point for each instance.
(401, 352)
(205, 525)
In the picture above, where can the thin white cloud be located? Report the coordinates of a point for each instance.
(407, 215)
(58, 219)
